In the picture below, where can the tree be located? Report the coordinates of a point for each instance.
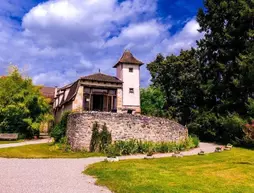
(178, 77)
(152, 101)
(226, 67)
(211, 89)
(22, 107)
(223, 54)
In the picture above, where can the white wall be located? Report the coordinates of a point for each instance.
(131, 80)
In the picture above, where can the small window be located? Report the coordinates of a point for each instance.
(130, 69)
(131, 90)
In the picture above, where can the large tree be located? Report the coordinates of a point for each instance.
(178, 77)
(227, 26)
(22, 107)
(211, 89)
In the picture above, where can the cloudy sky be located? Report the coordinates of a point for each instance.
(57, 41)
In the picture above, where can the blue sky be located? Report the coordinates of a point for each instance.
(57, 41)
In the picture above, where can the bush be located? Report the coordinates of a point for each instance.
(105, 138)
(205, 126)
(135, 146)
(232, 129)
(112, 151)
(95, 139)
(249, 134)
(100, 140)
(59, 131)
(195, 140)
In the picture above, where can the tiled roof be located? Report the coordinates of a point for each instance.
(48, 92)
(65, 87)
(101, 78)
(128, 58)
(72, 93)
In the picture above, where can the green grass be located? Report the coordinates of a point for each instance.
(42, 151)
(7, 142)
(226, 172)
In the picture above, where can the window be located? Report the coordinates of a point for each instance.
(130, 69)
(131, 90)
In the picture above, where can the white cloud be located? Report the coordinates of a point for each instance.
(186, 38)
(62, 40)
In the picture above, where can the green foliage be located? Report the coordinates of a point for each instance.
(232, 129)
(152, 101)
(205, 126)
(112, 151)
(210, 89)
(62, 145)
(59, 130)
(95, 139)
(105, 138)
(195, 140)
(100, 140)
(178, 77)
(22, 107)
(136, 146)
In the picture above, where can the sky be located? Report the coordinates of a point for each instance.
(57, 41)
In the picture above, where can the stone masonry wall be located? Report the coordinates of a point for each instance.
(122, 127)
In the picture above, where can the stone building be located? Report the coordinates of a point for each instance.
(101, 92)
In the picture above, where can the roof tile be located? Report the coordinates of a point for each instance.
(128, 58)
(101, 78)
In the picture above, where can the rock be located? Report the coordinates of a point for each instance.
(148, 157)
(112, 159)
(201, 153)
(177, 155)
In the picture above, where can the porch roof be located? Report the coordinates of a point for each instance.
(100, 77)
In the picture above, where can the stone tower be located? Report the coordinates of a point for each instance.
(128, 71)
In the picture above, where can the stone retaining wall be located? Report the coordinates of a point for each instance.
(122, 127)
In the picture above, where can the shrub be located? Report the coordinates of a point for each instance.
(105, 138)
(95, 139)
(249, 134)
(100, 140)
(112, 151)
(56, 133)
(59, 131)
(232, 129)
(134, 146)
(195, 140)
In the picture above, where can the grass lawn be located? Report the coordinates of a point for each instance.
(226, 172)
(7, 142)
(42, 151)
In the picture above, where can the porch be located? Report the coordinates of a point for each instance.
(100, 99)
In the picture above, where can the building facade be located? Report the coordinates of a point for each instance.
(101, 92)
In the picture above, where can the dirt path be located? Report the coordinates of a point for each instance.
(59, 175)
(30, 142)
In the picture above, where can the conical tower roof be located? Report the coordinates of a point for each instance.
(128, 58)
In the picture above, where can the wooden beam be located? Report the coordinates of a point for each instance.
(112, 102)
(90, 102)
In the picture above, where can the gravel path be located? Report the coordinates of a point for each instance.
(59, 175)
(30, 142)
